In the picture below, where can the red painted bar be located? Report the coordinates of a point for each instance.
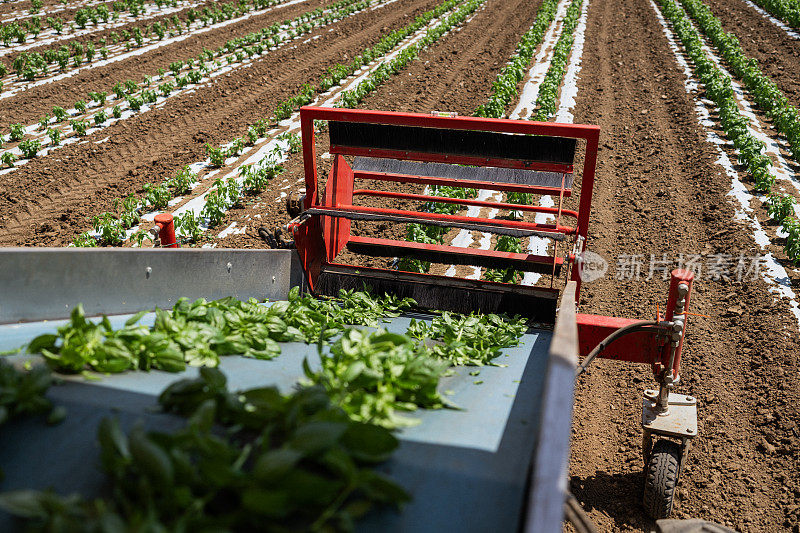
(467, 252)
(467, 201)
(513, 224)
(579, 131)
(449, 182)
(637, 347)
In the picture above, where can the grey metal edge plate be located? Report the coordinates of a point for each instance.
(46, 283)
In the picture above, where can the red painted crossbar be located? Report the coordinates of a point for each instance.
(466, 201)
(520, 261)
(421, 216)
(468, 184)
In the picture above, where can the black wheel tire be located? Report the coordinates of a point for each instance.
(661, 478)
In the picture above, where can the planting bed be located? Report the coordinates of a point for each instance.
(777, 52)
(669, 181)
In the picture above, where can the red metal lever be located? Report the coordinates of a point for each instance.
(166, 230)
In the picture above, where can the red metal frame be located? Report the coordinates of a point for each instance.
(439, 217)
(340, 189)
(320, 238)
(467, 252)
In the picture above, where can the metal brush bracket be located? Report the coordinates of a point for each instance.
(665, 413)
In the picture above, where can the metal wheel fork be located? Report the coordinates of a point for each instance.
(678, 424)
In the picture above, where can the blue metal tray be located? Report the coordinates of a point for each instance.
(467, 470)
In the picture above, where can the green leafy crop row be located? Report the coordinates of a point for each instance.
(718, 88)
(220, 198)
(504, 90)
(547, 101)
(15, 31)
(110, 228)
(769, 98)
(384, 71)
(135, 96)
(767, 95)
(29, 64)
(335, 74)
(786, 10)
(505, 87)
(254, 178)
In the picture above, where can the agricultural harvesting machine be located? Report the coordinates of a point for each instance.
(500, 464)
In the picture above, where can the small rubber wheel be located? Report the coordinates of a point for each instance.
(661, 478)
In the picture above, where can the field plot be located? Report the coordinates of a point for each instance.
(192, 108)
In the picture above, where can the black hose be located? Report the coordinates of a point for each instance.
(575, 515)
(644, 325)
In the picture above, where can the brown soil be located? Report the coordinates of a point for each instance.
(777, 54)
(47, 201)
(67, 15)
(95, 32)
(29, 106)
(25, 6)
(454, 75)
(659, 191)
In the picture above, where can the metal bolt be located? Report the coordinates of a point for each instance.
(229, 266)
(273, 279)
(689, 399)
(689, 430)
(147, 272)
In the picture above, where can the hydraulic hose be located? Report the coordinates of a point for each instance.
(644, 325)
(575, 515)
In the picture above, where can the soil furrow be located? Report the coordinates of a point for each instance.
(777, 54)
(23, 6)
(81, 180)
(30, 105)
(67, 14)
(48, 38)
(659, 191)
(455, 75)
(99, 33)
